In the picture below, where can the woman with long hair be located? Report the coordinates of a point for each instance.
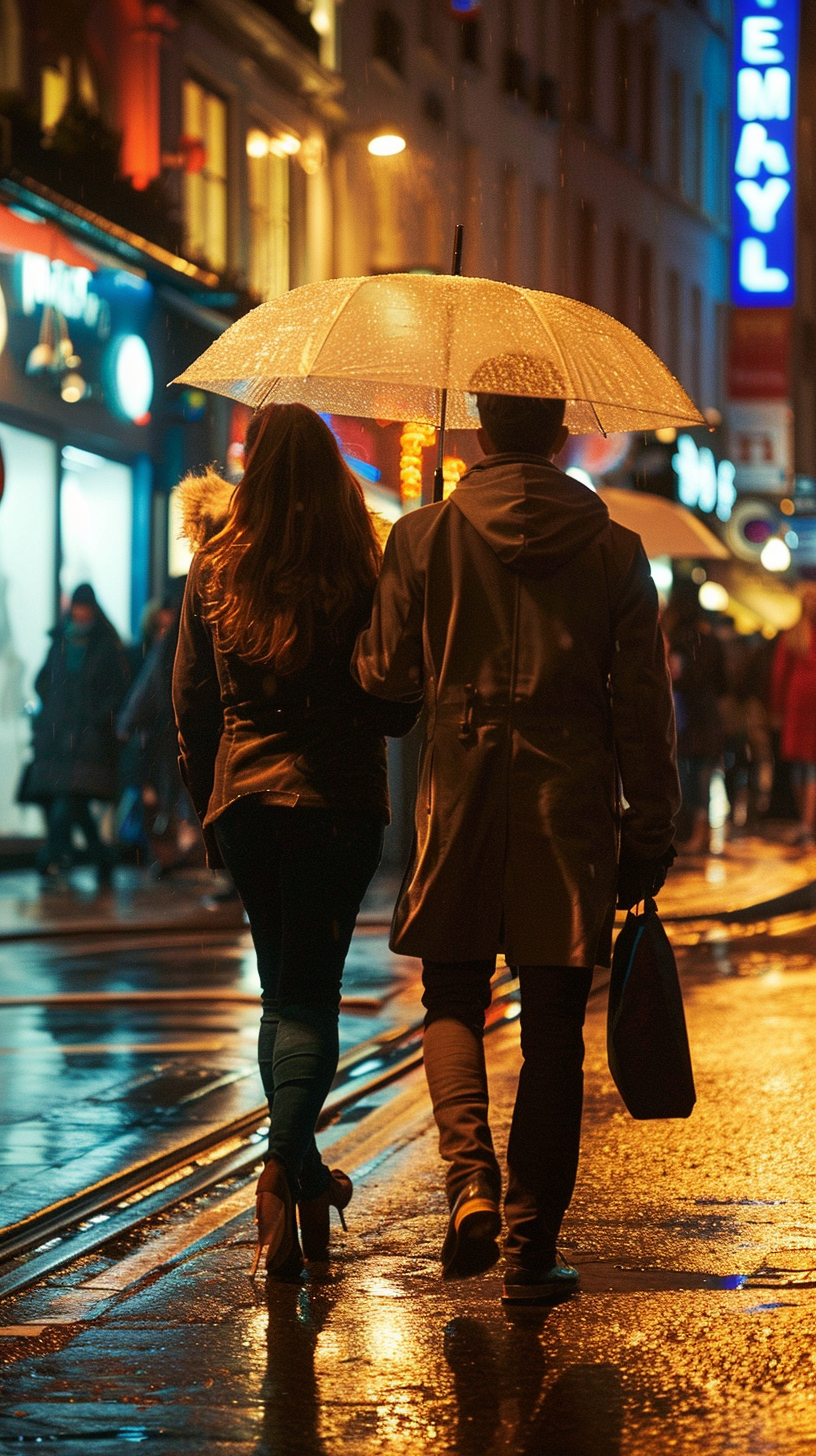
(284, 756)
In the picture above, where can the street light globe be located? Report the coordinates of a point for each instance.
(775, 555)
(257, 143)
(713, 597)
(388, 145)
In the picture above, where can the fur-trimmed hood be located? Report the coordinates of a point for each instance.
(205, 502)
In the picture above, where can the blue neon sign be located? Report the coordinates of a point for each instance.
(763, 202)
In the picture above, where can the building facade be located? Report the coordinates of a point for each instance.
(584, 147)
(163, 168)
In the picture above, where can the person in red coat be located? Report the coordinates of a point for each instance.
(793, 703)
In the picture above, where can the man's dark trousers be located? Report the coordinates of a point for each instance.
(542, 1154)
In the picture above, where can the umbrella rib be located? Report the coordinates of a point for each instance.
(346, 301)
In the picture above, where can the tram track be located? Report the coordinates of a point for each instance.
(57, 1235)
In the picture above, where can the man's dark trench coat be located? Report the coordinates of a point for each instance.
(528, 622)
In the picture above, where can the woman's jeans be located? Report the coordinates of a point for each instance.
(301, 874)
(545, 1133)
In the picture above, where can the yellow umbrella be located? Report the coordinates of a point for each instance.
(387, 348)
(665, 528)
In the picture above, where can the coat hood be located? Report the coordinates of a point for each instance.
(205, 502)
(529, 512)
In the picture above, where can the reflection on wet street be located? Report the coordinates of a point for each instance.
(695, 1330)
(113, 1048)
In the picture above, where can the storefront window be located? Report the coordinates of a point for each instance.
(96, 530)
(27, 604)
(205, 189)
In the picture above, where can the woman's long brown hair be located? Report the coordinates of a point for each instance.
(299, 554)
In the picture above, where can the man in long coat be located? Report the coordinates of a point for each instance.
(528, 623)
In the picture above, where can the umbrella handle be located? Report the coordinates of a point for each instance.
(439, 480)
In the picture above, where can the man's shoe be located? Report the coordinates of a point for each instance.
(531, 1284)
(475, 1224)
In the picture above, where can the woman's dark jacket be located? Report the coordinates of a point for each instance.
(75, 745)
(311, 739)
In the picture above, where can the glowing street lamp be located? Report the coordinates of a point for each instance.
(387, 145)
(775, 555)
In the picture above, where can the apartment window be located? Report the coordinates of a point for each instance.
(721, 316)
(205, 191)
(673, 325)
(698, 158)
(586, 18)
(470, 41)
(514, 74)
(545, 86)
(431, 25)
(645, 293)
(585, 252)
(509, 241)
(470, 203)
(543, 230)
(623, 68)
(676, 130)
(268, 191)
(10, 46)
(545, 97)
(696, 343)
(648, 61)
(389, 42)
(471, 206)
(621, 252)
(55, 92)
(722, 165)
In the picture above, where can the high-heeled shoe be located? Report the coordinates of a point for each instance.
(314, 1214)
(275, 1217)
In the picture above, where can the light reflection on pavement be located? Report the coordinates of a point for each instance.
(87, 1089)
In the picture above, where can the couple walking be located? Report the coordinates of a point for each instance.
(525, 624)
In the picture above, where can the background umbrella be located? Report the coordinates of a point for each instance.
(665, 528)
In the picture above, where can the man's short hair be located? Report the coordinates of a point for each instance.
(521, 423)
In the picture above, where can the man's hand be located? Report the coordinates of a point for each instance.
(641, 879)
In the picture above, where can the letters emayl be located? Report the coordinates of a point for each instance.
(766, 35)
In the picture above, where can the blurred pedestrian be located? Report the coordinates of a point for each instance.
(169, 819)
(510, 608)
(80, 686)
(697, 664)
(747, 752)
(793, 703)
(284, 757)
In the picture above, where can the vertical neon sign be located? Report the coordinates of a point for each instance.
(763, 202)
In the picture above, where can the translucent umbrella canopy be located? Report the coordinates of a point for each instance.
(664, 527)
(386, 347)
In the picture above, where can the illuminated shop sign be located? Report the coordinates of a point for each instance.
(44, 281)
(701, 483)
(763, 166)
(79, 331)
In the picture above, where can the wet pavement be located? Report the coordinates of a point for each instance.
(116, 1048)
(136, 902)
(695, 1331)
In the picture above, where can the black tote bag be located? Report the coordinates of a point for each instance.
(647, 1043)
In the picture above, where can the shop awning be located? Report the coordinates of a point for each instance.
(20, 234)
(758, 602)
(665, 528)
